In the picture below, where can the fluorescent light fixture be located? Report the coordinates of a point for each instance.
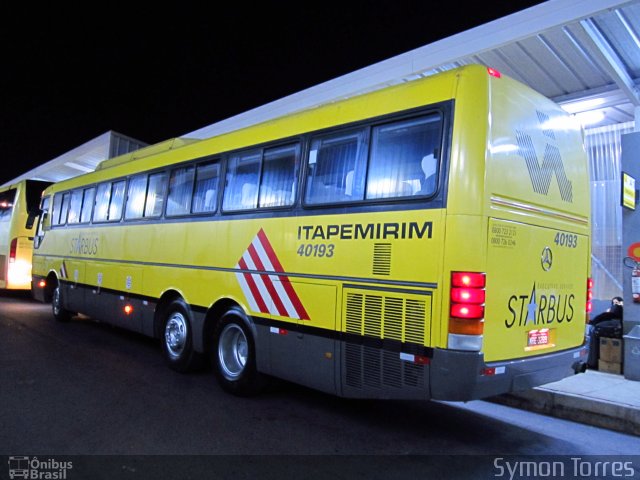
(590, 118)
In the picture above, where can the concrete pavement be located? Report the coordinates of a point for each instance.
(596, 398)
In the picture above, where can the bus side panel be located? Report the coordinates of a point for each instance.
(303, 352)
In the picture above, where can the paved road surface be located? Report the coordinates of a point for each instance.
(85, 388)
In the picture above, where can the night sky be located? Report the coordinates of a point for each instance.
(70, 74)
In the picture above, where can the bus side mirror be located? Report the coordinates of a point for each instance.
(31, 219)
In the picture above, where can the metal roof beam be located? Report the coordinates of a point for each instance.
(611, 62)
(609, 94)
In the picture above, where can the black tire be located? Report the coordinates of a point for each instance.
(176, 338)
(60, 313)
(233, 355)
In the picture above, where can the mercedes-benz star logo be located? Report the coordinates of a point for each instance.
(547, 259)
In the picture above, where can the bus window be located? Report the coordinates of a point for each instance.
(87, 204)
(57, 206)
(64, 209)
(180, 187)
(75, 206)
(103, 195)
(117, 201)
(155, 194)
(206, 191)
(336, 168)
(241, 191)
(135, 197)
(277, 187)
(402, 162)
(7, 199)
(44, 223)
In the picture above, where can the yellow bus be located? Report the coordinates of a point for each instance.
(17, 200)
(426, 240)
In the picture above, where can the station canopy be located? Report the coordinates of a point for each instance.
(82, 159)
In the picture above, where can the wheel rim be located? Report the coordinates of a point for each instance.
(56, 301)
(175, 334)
(233, 350)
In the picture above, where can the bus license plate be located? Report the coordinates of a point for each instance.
(538, 337)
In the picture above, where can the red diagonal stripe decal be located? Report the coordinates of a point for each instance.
(293, 296)
(253, 287)
(267, 282)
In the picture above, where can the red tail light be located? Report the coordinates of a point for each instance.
(12, 250)
(468, 279)
(467, 303)
(467, 295)
(467, 311)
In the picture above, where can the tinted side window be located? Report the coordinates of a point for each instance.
(57, 207)
(403, 161)
(279, 173)
(87, 204)
(180, 188)
(243, 174)
(135, 197)
(205, 194)
(117, 201)
(101, 210)
(336, 169)
(155, 194)
(66, 197)
(75, 206)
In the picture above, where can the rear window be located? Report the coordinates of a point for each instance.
(7, 200)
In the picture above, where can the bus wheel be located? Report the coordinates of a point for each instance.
(177, 347)
(59, 312)
(233, 356)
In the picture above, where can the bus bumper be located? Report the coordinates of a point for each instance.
(461, 376)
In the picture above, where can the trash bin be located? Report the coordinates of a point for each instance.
(632, 354)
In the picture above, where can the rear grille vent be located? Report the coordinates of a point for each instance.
(382, 259)
(372, 368)
(3, 264)
(415, 321)
(390, 317)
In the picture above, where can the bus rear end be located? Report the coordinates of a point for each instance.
(14, 251)
(517, 260)
(16, 236)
